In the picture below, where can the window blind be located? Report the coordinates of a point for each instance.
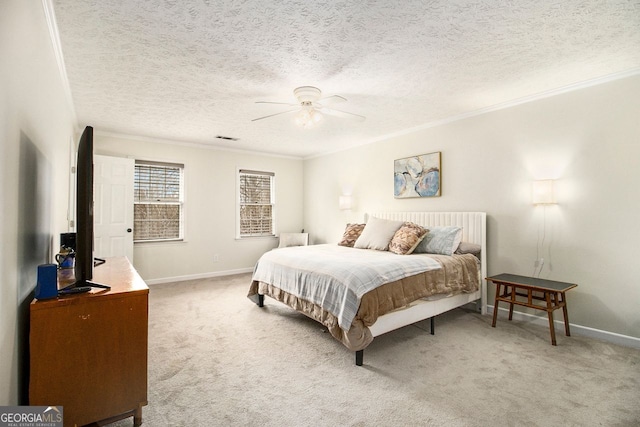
(158, 206)
(256, 216)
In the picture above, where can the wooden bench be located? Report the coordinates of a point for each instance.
(552, 293)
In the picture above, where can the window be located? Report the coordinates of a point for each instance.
(158, 201)
(256, 206)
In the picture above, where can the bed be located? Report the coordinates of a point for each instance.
(398, 290)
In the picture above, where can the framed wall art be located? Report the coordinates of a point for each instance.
(417, 176)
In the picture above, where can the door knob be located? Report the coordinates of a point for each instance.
(129, 230)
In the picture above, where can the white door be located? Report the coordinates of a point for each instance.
(113, 206)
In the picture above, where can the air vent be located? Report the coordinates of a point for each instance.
(226, 138)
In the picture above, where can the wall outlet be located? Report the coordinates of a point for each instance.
(216, 258)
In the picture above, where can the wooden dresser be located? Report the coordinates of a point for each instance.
(89, 351)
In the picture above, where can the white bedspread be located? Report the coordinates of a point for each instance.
(336, 277)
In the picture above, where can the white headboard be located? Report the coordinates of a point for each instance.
(474, 230)
(474, 224)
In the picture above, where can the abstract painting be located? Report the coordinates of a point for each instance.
(417, 176)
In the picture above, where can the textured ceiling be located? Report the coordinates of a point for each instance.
(191, 70)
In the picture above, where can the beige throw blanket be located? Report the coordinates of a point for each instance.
(336, 277)
(459, 273)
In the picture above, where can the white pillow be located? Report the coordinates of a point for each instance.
(440, 240)
(293, 239)
(377, 234)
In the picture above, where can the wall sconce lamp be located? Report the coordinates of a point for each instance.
(543, 192)
(345, 203)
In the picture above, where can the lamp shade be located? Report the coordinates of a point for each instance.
(345, 203)
(543, 192)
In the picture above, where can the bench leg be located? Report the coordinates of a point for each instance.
(495, 305)
(513, 298)
(359, 357)
(260, 300)
(433, 325)
(550, 313)
(565, 312)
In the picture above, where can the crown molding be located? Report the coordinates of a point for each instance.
(504, 105)
(54, 35)
(518, 101)
(192, 144)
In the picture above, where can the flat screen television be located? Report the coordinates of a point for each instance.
(84, 217)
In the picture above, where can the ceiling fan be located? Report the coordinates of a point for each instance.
(311, 107)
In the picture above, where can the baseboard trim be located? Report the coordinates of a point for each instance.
(612, 337)
(198, 276)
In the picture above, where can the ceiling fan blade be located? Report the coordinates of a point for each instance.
(276, 114)
(332, 99)
(340, 113)
(279, 103)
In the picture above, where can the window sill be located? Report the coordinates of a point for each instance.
(256, 237)
(170, 241)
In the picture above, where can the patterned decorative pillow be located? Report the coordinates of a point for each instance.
(351, 234)
(407, 238)
(440, 240)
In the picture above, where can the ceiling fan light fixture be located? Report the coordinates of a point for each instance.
(307, 94)
(308, 117)
(312, 107)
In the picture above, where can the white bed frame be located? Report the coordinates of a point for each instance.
(474, 230)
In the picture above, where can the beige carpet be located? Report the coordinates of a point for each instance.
(216, 359)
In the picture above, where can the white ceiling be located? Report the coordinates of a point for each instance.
(192, 70)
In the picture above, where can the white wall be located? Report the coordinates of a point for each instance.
(36, 134)
(588, 139)
(210, 200)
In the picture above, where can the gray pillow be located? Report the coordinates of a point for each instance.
(469, 248)
(440, 240)
(377, 234)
